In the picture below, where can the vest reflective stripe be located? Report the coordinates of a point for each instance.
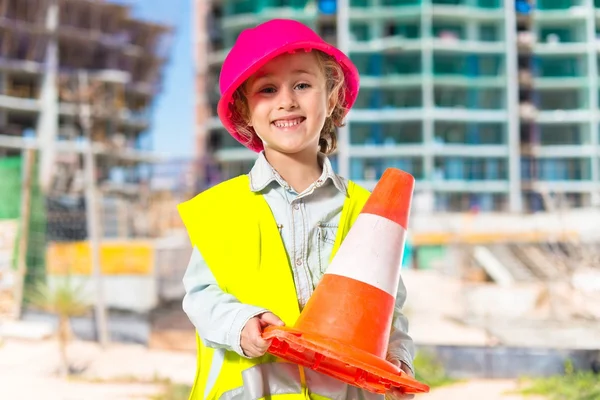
(322, 386)
(235, 232)
(216, 364)
(284, 379)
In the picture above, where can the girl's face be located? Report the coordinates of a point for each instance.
(288, 103)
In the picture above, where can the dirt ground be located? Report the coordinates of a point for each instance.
(28, 371)
(478, 390)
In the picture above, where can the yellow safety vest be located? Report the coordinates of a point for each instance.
(238, 238)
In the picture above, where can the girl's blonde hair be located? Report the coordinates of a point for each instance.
(335, 82)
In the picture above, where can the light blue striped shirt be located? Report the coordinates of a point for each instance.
(308, 224)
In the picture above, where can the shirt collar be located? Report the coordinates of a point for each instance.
(262, 174)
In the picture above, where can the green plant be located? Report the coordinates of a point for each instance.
(429, 370)
(65, 301)
(573, 385)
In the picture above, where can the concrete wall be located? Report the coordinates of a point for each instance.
(122, 292)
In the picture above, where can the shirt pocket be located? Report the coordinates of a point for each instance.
(326, 234)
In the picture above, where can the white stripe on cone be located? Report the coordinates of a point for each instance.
(371, 253)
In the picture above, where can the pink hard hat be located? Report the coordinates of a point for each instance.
(255, 47)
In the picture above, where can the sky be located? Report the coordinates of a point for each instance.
(173, 110)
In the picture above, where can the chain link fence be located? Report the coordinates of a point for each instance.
(143, 246)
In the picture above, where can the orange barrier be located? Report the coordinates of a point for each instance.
(344, 329)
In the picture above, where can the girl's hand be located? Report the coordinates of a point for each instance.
(252, 342)
(395, 393)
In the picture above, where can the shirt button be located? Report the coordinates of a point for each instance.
(296, 207)
(298, 262)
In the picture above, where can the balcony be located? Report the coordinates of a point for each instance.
(564, 135)
(572, 48)
(451, 36)
(386, 44)
(469, 150)
(461, 201)
(387, 65)
(397, 33)
(452, 168)
(386, 3)
(491, 10)
(393, 81)
(386, 134)
(470, 134)
(469, 98)
(559, 65)
(371, 169)
(469, 81)
(562, 186)
(560, 82)
(389, 98)
(466, 115)
(560, 10)
(564, 116)
(15, 103)
(562, 99)
(245, 13)
(569, 151)
(239, 7)
(389, 115)
(485, 4)
(467, 46)
(556, 169)
(468, 66)
(407, 9)
(496, 186)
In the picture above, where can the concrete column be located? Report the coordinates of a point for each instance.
(47, 127)
(512, 108)
(343, 41)
(592, 79)
(428, 99)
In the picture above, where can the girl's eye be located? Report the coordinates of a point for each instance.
(267, 90)
(303, 86)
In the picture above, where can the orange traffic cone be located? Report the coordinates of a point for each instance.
(344, 329)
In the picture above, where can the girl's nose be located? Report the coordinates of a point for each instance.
(287, 99)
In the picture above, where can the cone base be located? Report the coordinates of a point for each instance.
(343, 362)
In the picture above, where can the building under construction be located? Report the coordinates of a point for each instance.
(490, 104)
(46, 47)
(78, 79)
(75, 71)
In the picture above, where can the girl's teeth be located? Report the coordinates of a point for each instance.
(287, 124)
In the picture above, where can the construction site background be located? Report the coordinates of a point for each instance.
(78, 83)
(83, 201)
(478, 299)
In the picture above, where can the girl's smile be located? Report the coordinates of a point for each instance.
(289, 123)
(288, 103)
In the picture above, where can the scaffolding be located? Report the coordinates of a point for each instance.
(78, 79)
(43, 46)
